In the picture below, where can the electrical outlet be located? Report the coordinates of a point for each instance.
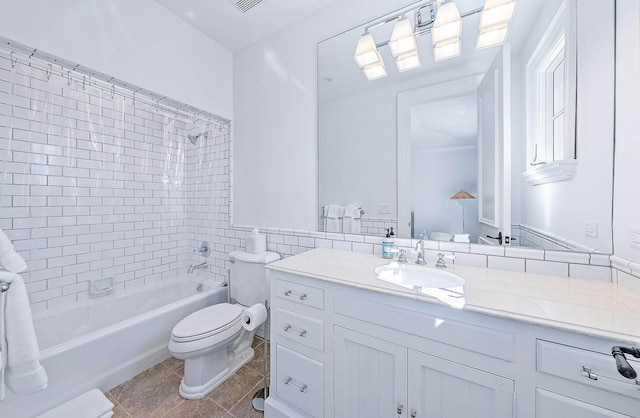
(591, 229)
(634, 235)
(384, 209)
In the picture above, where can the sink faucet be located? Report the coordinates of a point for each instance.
(201, 266)
(420, 249)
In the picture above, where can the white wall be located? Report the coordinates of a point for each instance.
(136, 41)
(275, 146)
(358, 152)
(562, 208)
(627, 187)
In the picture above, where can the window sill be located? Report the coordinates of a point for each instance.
(551, 172)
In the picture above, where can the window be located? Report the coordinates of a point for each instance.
(551, 92)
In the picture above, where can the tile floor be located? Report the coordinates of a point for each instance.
(154, 393)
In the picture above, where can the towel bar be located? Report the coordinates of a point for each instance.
(4, 286)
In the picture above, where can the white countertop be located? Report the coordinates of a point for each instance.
(589, 307)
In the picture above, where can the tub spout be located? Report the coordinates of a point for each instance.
(201, 266)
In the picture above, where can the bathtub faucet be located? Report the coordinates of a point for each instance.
(201, 266)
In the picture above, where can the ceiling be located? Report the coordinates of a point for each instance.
(223, 22)
(444, 124)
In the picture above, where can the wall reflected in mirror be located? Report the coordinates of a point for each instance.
(401, 158)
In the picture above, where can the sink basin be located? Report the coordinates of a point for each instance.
(416, 276)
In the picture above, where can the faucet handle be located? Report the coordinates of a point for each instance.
(402, 256)
(423, 235)
(203, 249)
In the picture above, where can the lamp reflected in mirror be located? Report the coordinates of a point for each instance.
(462, 195)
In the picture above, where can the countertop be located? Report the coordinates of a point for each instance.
(590, 307)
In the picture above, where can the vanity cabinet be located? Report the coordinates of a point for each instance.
(348, 351)
(370, 376)
(442, 388)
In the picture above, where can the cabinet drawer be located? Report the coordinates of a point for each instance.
(549, 404)
(300, 381)
(585, 367)
(299, 328)
(300, 293)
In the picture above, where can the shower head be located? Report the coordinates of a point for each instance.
(194, 138)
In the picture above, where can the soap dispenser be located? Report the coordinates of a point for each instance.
(388, 245)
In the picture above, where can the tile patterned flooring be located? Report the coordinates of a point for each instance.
(154, 392)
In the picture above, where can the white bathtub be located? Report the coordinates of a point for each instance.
(107, 341)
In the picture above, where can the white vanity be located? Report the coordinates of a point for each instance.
(346, 344)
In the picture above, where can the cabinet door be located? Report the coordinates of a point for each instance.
(370, 376)
(550, 404)
(444, 389)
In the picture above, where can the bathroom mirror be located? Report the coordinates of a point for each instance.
(411, 149)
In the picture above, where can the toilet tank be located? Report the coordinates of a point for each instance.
(248, 276)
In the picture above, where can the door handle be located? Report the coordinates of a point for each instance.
(499, 238)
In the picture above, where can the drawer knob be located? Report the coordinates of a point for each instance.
(289, 381)
(586, 372)
(301, 332)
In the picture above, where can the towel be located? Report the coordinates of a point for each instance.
(23, 372)
(3, 345)
(92, 404)
(9, 259)
(351, 222)
(334, 223)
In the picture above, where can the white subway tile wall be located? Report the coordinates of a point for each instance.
(93, 186)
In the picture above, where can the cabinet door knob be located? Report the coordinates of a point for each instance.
(399, 409)
(414, 413)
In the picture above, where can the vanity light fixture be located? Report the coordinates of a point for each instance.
(402, 38)
(492, 36)
(375, 71)
(446, 32)
(496, 12)
(494, 22)
(368, 58)
(448, 24)
(444, 22)
(446, 50)
(408, 61)
(366, 52)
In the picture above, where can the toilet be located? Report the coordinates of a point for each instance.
(213, 341)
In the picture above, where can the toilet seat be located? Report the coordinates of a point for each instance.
(207, 322)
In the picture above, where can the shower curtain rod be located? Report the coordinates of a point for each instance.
(108, 85)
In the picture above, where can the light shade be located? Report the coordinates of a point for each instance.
(402, 38)
(462, 194)
(492, 36)
(408, 61)
(447, 50)
(496, 12)
(375, 71)
(448, 24)
(366, 51)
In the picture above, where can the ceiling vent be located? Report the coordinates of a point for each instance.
(245, 5)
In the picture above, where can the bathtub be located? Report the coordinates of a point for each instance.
(108, 340)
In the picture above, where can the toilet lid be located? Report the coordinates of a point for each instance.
(206, 322)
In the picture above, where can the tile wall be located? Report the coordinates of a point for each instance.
(95, 186)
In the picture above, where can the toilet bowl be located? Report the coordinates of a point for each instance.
(212, 341)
